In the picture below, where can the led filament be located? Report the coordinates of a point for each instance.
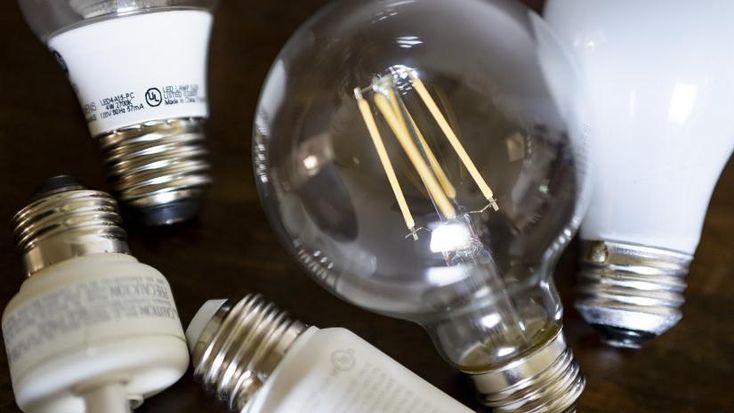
(386, 96)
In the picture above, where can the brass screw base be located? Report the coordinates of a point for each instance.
(241, 346)
(547, 380)
(158, 168)
(631, 293)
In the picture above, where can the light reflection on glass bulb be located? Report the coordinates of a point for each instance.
(436, 183)
(452, 236)
(491, 320)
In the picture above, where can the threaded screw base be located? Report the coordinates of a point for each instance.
(158, 168)
(631, 293)
(241, 346)
(65, 220)
(547, 380)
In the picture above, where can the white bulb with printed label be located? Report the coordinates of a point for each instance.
(138, 68)
(91, 330)
(660, 76)
(259, 360)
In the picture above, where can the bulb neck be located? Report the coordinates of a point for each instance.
(631, 293)
(158, 168)
(66, 220)
(95, 8)
(514, 352)
(240, 347)
(546, 379)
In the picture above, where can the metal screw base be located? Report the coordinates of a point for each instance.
(547, 380)
(631, 293)
(66, 220)
(158, 168)
(241, 346)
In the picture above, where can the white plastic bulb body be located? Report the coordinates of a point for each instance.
(659, 78)
(138, 68)
(92, 330)
(426, 160)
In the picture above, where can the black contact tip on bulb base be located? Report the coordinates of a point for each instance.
(166, 214)
(622, 337)
(56, 184)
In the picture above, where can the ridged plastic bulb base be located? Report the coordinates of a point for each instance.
(240, 347)
(158, 169)
(547, 380)
(631, 293)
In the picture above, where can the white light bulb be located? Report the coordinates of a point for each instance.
(92, 330)
(660, 76)
(138, 68)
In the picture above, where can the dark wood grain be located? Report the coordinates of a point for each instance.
(230, 249)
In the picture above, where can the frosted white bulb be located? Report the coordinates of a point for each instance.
(259, 360)
(660, 76)
(429, 165)
(91, 330)
(138, 68)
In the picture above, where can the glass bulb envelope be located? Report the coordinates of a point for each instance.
(425, 160)
(49, 17)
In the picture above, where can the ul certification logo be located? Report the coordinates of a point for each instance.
(343, 360)
(154, 97)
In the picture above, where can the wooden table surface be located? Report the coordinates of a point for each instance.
(230, 250)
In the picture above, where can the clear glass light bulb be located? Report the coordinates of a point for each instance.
(660, 83)
(423, 159)
(138, 68)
